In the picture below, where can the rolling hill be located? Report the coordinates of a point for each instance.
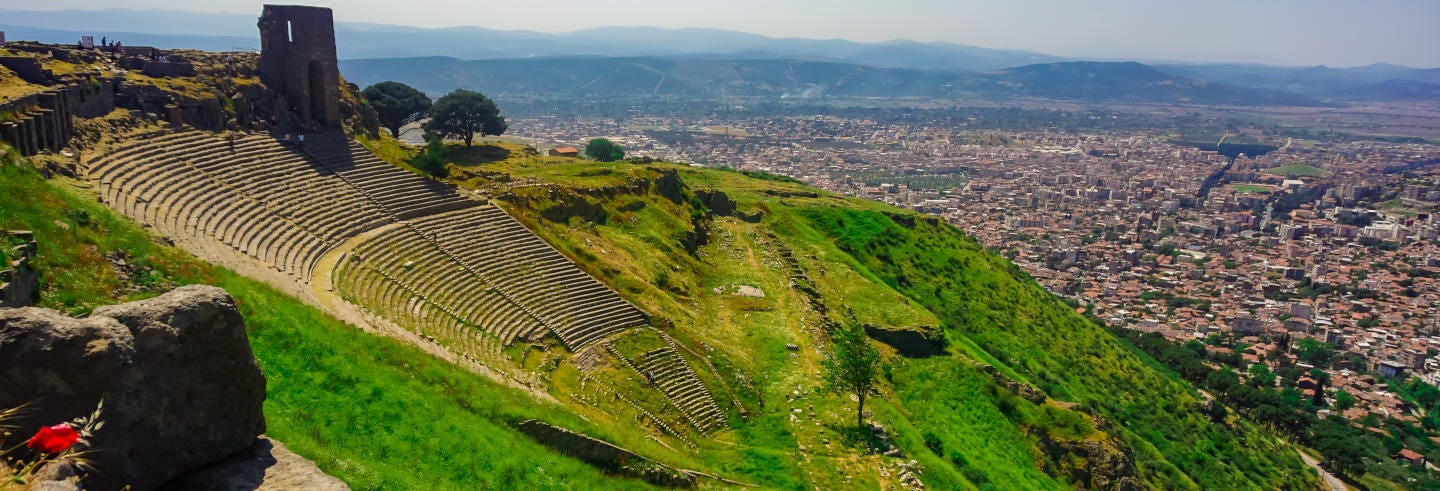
(1378, 82)
(369, 40)
(1131, 81)
(574, 76)
(1020, 375)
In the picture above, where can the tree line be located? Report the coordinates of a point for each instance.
(460, 114)
(1275, 399)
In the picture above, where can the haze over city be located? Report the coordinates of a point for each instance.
(1282, 32)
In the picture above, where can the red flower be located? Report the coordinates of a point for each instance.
(53, 439)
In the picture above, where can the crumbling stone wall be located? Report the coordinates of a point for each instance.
(37, 122)
(28, 68)
(297, 60)
(19, 282)
(605, 455)
(44, 121)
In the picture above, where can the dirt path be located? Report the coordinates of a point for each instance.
(1335, 483)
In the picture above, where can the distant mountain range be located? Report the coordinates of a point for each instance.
(1372, 82)
(635, 60)
(362, 40)
(579, 76)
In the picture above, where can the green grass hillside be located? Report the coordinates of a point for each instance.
(745, 273)
(663, 237)
(377, 413)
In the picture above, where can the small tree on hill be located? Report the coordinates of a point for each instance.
(396, 104)
(604, 150)
(852, 366)
(431, 159)
(464, 113)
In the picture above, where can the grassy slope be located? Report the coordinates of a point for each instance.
(991, 311)
(370, 410)
(988, 300)
(397, 418)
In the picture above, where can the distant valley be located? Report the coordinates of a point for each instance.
(577, 76)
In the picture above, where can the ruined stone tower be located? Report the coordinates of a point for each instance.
(297, 60)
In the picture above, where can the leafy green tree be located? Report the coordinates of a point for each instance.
(396, 104)
(603, 150)
(1343, 400)
(1314, 352)
(431, 159)
(1425, 394)
(1260, 376)
(852, 366)
(464, 113)
(1343, 449)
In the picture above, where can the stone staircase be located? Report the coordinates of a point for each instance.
(668, 371)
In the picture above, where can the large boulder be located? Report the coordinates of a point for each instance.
(180, 386)
(265, 466)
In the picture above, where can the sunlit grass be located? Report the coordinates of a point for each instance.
(377, 413)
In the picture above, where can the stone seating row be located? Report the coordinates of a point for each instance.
(463, 262)
(159, 182)
(410, 259)
(670, 373)
(579, 307)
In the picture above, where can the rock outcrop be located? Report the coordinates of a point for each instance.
(917, 342)
(265, 466)
(180, 386)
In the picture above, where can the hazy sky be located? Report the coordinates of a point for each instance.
(1289, 32)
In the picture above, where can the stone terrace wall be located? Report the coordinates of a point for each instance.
(44, 121)
(36, 123)
(605, 455)
(19, 282)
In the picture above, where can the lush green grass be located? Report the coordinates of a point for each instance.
(389, 149)
(1252, 188)
(985, 298)
(865, 263)
(637, 250)
(1297, 170)
(377, 413)
(380, 414)
(955, 404)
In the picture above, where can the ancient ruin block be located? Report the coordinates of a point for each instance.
(28, 68)
(297, 61)
(19, 281)
(169, 69)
